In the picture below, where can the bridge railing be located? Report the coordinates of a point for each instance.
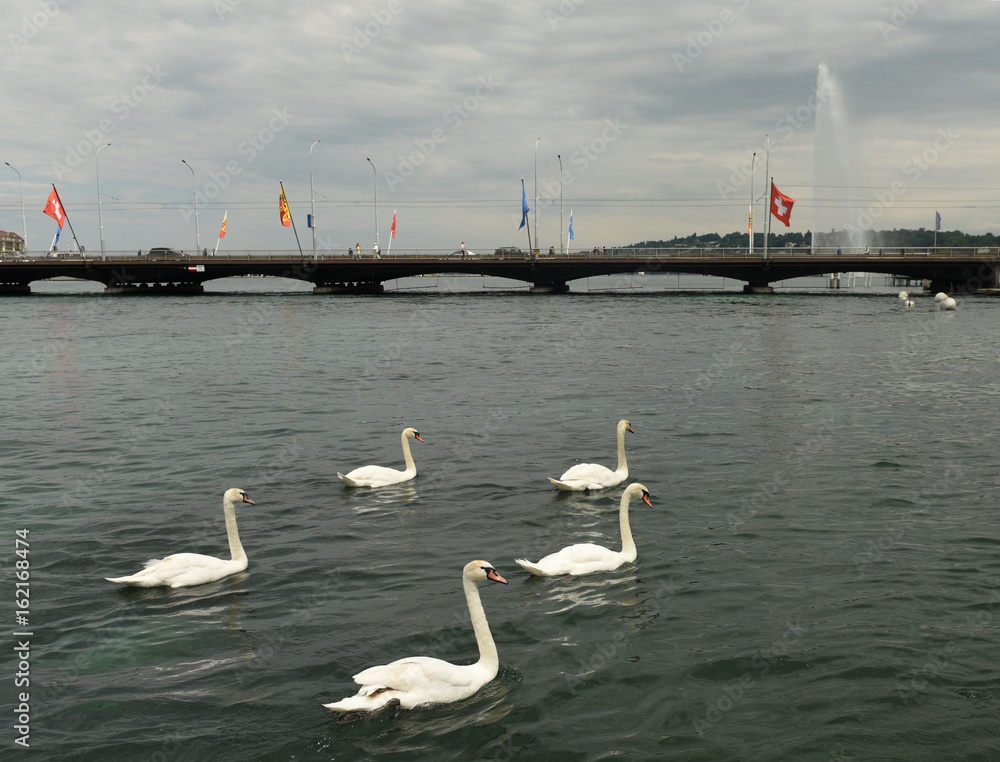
(637, 254)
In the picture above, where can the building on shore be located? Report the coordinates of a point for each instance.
(10, 242)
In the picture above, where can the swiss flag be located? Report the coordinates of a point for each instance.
(781, 205)
(54, 208)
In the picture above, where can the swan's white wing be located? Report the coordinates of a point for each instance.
(584, 558)
(181, 570)
(374, 476)
(414, 673)
(589, 476)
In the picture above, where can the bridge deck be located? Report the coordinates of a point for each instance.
(948, 269)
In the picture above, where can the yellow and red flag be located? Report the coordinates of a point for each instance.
(222, 231)
(286, 214)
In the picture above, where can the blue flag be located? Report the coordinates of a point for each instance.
(571, 224)
(524, 208)
(937, 220)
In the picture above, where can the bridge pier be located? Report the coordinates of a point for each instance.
(753, 288)
(549, 287)
(154, 289)
(14, 289)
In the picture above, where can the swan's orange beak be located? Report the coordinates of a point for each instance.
(645, 499)
(492, 574)
(417, 437)
(630, 428)
(246, 499)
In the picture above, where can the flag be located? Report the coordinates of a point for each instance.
(393, 235)
(54, 208)
(524, 207)
(571, 224)
(286, 213)
(222, 230)
(750, 223)
(781, 205)
(937, 220)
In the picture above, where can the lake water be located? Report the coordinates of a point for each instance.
(818, 578)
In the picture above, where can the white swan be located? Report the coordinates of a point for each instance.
(948, 303)
(421, 680)
(905, 299)
(586, 558)
(584, 477)
(381, 476)
(188, 569)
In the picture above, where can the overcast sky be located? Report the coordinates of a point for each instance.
(655, 107)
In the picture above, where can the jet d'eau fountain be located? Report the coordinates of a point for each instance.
(835, 201)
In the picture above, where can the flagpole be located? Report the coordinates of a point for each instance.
(290, 218)
(216, 249)
(526, 223)
(752, 160)
(767, 195)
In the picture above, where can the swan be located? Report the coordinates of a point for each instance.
(905, 299)
(586, 558)
(584, 477)
(948, 303)
(188, 569)
(381, 476)
(420, 680)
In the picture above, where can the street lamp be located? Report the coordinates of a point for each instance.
(24, 224)
(561, 236)
(312, 198)
(535, 247)
(100, 216)
(197, 234)
(375, 185)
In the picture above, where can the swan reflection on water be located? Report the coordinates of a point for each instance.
(383, 499)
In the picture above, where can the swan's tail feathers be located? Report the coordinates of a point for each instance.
(363, 703)
(565, 486)
(134, 580)
(527, 565)
(348, 480)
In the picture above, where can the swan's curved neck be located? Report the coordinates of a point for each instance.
(488, 656)
(622, 465)
(628, 544)
(407, 457)
(235, 548)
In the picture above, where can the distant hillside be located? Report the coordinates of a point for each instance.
(901, 238)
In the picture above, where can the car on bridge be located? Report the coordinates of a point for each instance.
(509, 252)
(163, 252)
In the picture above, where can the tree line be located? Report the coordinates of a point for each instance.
(896, 238)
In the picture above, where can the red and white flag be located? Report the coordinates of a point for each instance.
(781, 205)
(54, 208)
(393, 224)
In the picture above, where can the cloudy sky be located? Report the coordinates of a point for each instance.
(876, 111)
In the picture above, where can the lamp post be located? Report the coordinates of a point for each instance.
(197, 234)
(561, 236)
(312, 197)
(375, 186)
(535, 247)
(100, 216)
(24, 224)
